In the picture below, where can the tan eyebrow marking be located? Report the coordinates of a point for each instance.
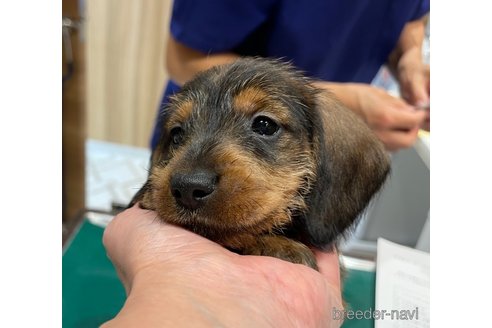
(252, 100)
(249, 99)
(181, 113)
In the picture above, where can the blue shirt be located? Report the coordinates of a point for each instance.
(332, 40)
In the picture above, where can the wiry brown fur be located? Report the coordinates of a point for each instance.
(304, 185)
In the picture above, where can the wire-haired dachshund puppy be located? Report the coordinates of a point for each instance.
(255, 158)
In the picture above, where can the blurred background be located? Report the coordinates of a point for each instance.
(113, 76)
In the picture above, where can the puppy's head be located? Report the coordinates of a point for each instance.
(253, 147)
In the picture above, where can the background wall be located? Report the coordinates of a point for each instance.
(125, 67)
(74, 114)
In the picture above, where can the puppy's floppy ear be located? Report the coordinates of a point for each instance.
(351, 166)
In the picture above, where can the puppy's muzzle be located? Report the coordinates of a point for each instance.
(192, 189)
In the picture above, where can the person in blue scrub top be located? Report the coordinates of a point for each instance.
(342, 44)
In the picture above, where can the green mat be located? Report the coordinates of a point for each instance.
(93, 294)
(359, 294)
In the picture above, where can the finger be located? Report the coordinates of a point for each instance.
(404, 119)
(398, 139)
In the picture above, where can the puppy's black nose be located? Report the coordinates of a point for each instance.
(191, 189)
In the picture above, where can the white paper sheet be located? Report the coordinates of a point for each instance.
(402, 286)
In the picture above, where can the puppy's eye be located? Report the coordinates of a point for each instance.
(177, 135)
(264, 126)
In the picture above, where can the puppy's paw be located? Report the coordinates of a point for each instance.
(284, 249)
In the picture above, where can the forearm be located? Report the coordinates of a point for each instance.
(183, 62)
(347, 93)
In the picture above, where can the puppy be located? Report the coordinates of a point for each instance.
(255, 158)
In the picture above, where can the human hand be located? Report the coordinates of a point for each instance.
(395, 122)
(414, 78)
(173, 276)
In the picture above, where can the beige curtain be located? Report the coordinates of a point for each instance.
(125, 67)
